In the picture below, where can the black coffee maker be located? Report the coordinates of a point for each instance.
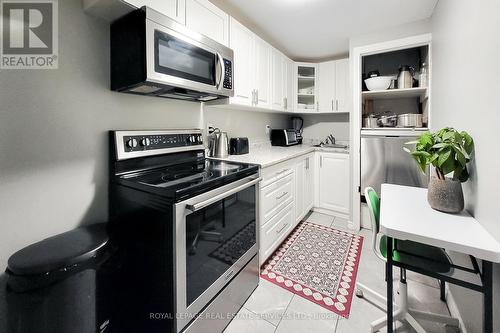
(297, 124)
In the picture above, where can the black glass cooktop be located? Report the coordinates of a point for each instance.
(193, 177)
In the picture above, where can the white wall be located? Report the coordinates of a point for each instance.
(53, 133)
(466, 48)
(401, 31)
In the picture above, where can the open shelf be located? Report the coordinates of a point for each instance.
(305, 95)
(395, 93)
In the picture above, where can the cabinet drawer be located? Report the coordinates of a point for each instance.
(275, 196)
(272, 234)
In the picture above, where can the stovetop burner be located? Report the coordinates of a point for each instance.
(182, 177)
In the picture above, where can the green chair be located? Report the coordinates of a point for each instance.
(404, 252)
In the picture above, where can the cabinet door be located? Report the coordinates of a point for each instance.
(341, 85)
(278, 79)
(175, 9)
(326, 89)
(334, 182)
(262, 70)
(291, 77)
(241, 41)
(299, 189)
(204, 17)
(309, 184)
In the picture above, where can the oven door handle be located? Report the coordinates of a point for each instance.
(222, 69)
(197, 206)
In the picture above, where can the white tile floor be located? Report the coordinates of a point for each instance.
(273, 309)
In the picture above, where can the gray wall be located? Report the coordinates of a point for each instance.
(53, 133)
(466, 48)
(318, 127)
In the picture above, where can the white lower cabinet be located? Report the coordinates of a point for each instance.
(333, 182)
(286, 196)
(304, 185)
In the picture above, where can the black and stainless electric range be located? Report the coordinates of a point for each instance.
(186, 227)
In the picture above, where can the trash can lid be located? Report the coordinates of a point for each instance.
(63, 250)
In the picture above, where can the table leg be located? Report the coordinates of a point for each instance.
(487, 296)
(388, 276)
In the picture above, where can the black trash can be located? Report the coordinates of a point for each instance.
(62, 284)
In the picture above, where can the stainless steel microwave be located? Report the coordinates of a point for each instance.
(152, 54)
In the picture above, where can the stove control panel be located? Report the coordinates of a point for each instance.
(131, 144)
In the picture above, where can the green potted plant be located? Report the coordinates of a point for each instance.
(448, 151)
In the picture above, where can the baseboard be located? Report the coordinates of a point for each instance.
(331, 213)
(453, 307)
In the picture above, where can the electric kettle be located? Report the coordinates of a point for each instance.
(218, 144)
(405, 77)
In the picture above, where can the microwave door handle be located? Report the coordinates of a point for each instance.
(222, 69)
(199, 205)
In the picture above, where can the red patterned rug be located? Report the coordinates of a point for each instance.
(319, 264)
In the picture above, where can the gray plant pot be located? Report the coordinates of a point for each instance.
(446, 195)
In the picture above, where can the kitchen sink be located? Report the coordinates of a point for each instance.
(331, 145)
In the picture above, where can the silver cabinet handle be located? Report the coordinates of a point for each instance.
(332, 104)
(208, 202)
(285, 103)
(282, 195)
(336, 104)
(321, 161)
(317, 105)
(283, 228)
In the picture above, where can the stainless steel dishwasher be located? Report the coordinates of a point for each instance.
(383, 160)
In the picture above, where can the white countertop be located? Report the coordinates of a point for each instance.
(269, 155)
(405, 214)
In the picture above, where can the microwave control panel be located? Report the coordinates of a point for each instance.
(228, 75)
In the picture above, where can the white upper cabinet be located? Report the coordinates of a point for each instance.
(327, 99)
(342, 84)
(278, 80)
(204, 17)
(333, 85)
(175, 9)
(110, 10)
(262, 71)
(306, 87)
(241, 41)
(289, 85)
(333, 182)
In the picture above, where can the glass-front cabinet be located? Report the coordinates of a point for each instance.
(306, 87)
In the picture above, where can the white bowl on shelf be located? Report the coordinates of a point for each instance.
(301, 105)
(378, 82)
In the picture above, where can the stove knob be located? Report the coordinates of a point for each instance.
(145, 142)
(192, 138)
(132, 143)
(199, 140)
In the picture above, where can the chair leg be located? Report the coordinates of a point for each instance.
(371, 296)
(414, 323)
(442, 287)
(435, 317)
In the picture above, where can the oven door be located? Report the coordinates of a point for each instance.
(180, 60)
(216, 236)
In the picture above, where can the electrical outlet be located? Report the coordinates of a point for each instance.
(268, 129)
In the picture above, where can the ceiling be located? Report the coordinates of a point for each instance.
(318, 29)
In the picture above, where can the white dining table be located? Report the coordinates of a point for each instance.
(405, 214)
